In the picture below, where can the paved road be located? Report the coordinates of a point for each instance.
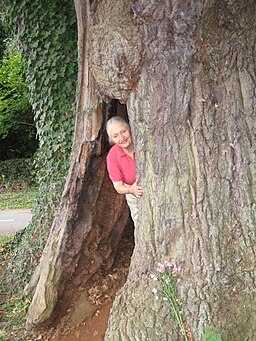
(14, 220)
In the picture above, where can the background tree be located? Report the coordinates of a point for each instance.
(190, 93)
(17, 128)
(50, 50)
(3, 36)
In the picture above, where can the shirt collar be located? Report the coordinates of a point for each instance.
(121, 151)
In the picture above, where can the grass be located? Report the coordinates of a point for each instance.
(13, 305)
(4, 239)
(10, 199)
(14, 315)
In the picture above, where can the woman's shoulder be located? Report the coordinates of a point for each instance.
(112, 157)
(115, 150)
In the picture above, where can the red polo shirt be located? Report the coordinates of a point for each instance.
(120, 166)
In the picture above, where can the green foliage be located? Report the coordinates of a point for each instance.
(48, 38)
(47, 34)
(3, 36)
(15, 309)
(211, 334)
(17, 174)
(4, 240)
(17, 200)
(17, 128)
(13, 92)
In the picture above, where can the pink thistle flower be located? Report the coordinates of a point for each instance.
(153, 277)
(179, 269)
(169, 264)
(154, 290)
(176, 268)
(161, 268)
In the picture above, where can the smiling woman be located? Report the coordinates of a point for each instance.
(121, 163)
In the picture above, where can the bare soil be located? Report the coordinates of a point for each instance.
(87, 317)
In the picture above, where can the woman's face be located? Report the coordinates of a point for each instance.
(120, 135)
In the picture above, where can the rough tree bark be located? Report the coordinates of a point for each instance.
(194, 113)
(91, 217)
(193, 120)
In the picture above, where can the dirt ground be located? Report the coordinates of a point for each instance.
(87, 318)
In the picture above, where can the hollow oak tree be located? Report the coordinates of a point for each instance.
(186, 72)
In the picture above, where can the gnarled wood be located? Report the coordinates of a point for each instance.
(91, 216)
(115, 48)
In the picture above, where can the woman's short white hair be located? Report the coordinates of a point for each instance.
(111, 121)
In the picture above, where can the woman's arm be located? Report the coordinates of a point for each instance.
(134, 189)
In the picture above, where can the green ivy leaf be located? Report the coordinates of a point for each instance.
(211, 334)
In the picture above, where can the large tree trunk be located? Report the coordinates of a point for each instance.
(193, 115)
(193, 121)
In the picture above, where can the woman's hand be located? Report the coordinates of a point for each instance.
(135, 189)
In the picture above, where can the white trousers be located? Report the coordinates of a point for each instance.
(132, 202)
